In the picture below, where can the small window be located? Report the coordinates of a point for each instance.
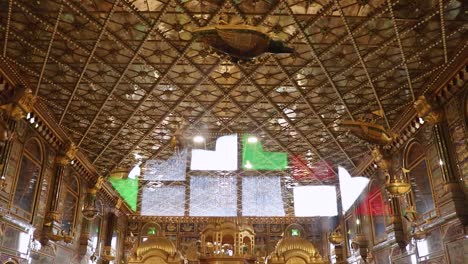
(70, 203)
(28, 180)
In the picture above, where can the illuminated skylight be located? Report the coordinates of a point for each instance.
(261, 196)
(172, 169)
(163, 201)
(128, 189)
(255, 158)
(224, 157)
(213, 196)
(315, 201)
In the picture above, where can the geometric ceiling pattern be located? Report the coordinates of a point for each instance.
(120, 76)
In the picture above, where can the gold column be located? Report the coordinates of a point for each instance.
(108, 253)
(52, 226)
(336, 237)
(90, 212)
(396, 186)
(453, 199)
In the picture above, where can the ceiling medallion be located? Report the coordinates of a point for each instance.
(241, 43)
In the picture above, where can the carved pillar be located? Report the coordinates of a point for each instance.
(396, 186)
(108, 254)
(90, 212)
(454, 199)
(336, 237)
(52, 225)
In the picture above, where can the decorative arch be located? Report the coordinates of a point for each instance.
(28, 179)
(151, 229)
(417, 170)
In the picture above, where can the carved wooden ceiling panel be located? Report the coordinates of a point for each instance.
(119, 76)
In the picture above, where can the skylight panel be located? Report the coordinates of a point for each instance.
(255, 158)
(213, 196)
(261, 196)
(163, 201)
(224, 157)
(315, 201)
(172, 169)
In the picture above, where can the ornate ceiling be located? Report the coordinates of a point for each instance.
(120, 76)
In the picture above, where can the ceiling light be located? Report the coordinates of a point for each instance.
(28, 115)
(32, 120)
(198, 139)
(252, 139)
(421, 120)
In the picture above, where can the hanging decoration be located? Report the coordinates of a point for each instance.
(241, 43)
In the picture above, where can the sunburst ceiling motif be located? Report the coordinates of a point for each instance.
(120, 76)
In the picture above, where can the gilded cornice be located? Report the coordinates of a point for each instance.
(57, 137)
(409, 122)
(245, 220)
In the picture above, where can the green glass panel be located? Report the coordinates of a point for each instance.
(152, 231)
(295, 232)
(128, 189)
(255, 158)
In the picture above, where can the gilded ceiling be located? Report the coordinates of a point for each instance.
(120, 76)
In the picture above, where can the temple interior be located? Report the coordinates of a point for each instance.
(233, 131)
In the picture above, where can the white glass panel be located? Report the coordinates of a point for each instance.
(163, 201)
(350, 187)
(135, 172)
(315, 201)
(172, 169)
(261, 196)
(223, 158)
(213, 196)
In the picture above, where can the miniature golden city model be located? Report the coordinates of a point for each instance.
(228, 243)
